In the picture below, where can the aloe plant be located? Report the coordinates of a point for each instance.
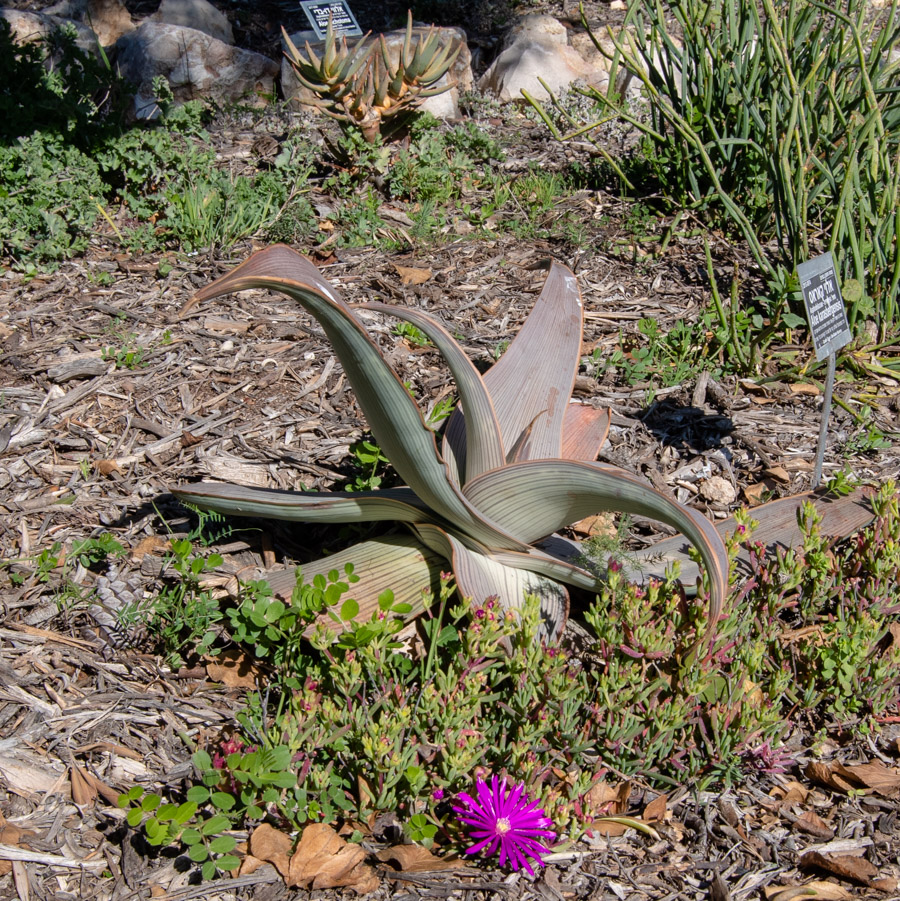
(362, 86)
(516, 462)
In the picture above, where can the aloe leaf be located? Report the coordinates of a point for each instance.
(531, 383)
(392, 414)
(484, 447)
(542, 563)
(535, 498)
(584, 431)
(481, 574)
(396, 504)
(399, 562)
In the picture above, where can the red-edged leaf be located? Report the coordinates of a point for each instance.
(531, 383)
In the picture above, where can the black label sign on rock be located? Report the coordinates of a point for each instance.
(824, 305)
(343, 22)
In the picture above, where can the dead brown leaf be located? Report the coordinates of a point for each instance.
(817, 889)
(83, 793)
(108, 467)
(602, 524)
(812, 824)
(150, 544)
(235, 669)
(324, 860)
(779, 474)
(856, 869)
(410, 275)
(804, 388)
(792, 792)
(755, 494)
(416, 859)
(655, 811)
(875, 777)
(274, 847)
(825, 774)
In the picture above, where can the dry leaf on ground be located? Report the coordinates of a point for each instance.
(824, 891)
(857, 869)
(416, 859)
(269, 845)
(864, 776)
(324, 860)
(235, 669)
(410, 275)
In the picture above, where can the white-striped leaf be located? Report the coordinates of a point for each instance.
(395, 504)
(538, 497)
(392, 414)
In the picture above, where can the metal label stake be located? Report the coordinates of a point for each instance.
(829, 327)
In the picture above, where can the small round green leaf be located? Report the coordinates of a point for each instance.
(222, 800)
(349, 610)
(208, 870)
(228, 862)
(184, 813)
(198, 853)
(198, 794)
(191, 836)
(135, 815)
(215, 824)
(222, 845)
(150, 802)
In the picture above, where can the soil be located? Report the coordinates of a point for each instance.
(246, 389)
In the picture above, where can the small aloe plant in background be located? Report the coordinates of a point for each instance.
(364, 87)
(516, 463)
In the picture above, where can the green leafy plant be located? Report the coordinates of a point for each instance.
(184, 615)
(91, 551)
(487, 500)
(364, 87)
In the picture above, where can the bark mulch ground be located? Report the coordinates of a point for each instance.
(114, 386)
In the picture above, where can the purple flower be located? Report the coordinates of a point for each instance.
(513, 822)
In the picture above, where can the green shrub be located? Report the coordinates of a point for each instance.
(49, 194)
(55, 87)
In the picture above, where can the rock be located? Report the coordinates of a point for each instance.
(536, 48)
(718, 490)
(195, 65)
(444, 106)
(26, 27)
(197, 14)
(109, 19)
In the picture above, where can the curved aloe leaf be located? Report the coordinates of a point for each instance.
(392, 414)
(399, 562)
(396, 504)
(531, 383)
(484, 446)
(481, 574)
(584, 431)
(535, 498)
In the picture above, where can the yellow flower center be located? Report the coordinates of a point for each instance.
(503, 826)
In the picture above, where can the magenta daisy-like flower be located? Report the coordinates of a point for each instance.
(512, 822)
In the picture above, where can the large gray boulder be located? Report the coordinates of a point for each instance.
(444, 106)
(27, 27)
(197, 14)
(538, 48)
(109, 19)
(195, 65)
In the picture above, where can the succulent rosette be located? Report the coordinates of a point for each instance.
(516, 463)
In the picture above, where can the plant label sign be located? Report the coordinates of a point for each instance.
(319, 12)
(824, 305)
